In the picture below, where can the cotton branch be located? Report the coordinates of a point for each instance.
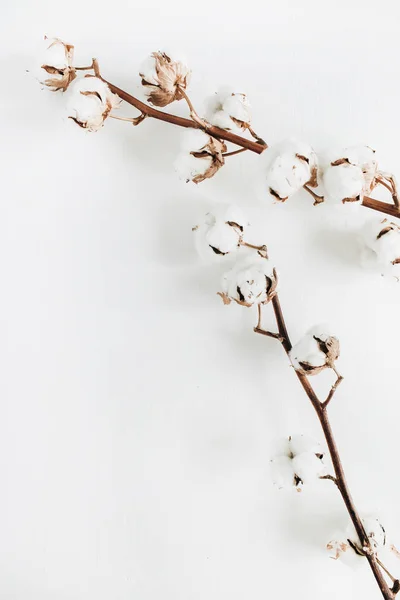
(340, 479)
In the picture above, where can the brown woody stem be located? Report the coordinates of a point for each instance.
(340, 478)
(234, 152)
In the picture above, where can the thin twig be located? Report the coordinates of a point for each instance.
(193, 112)
(271, 334)
(332, 390)
(330, 478)
(234, 152)
(317, 199)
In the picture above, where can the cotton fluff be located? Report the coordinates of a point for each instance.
(200, 157)
(91, 102)
(287, 167)
(220, 233)
(382, 238)
(298, 460)
(228, 110)
(315, 351)
(351, 174)
(164, 77)
(57, 62)
(252, 281)
(345, 545)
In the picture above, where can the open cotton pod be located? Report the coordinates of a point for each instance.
(298, 460)
(350, 174)
(346, 546)
(252, 281)
(57, 65)
(200, 157)
(91, 102)
(317, 350)
(220, 232)
(228, 110)
(164, 77)
(381, 244)
(286, 167)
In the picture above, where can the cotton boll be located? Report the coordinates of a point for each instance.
(315, 351)
(164, 77)
(350, 174)
(228, 110)
(287, 167)
(251, 281)
(90, 102)
(339, 549)
(343, 182)
(382, 238)
(57, 62)
(374, 530)
(201, 156)
(308, 467)
(220, 233)
(189, 167)
(298, 460)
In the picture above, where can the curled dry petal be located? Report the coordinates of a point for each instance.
(164, 78)
(58, 64)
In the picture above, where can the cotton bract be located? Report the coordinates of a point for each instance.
(298, 461)
(252, 281)
(287, 167)
(201, 156)
(91, 102)
(383, 239)
(315, 351)
(164, 78)
(228, 110)
(58, 63)
(351, 174)
(220, 233)
(346, 545)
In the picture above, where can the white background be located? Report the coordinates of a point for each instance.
(138, 412)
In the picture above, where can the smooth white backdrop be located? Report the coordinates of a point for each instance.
(138, 413)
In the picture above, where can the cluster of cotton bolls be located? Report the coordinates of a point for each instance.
(345, 545)
(252, 280)
(346, 176)
(297, 460)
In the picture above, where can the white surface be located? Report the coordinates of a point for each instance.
(137, 411)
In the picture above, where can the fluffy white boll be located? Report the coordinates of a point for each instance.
(228, 110)
(316, 350)
(90, 102)
(208, 160)
(251, 281)
(298, 460)
(345, 545)
(57, 62)
(164, 77)
(350, 175)
(382, 240)
(287, 167)
(220, 233)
